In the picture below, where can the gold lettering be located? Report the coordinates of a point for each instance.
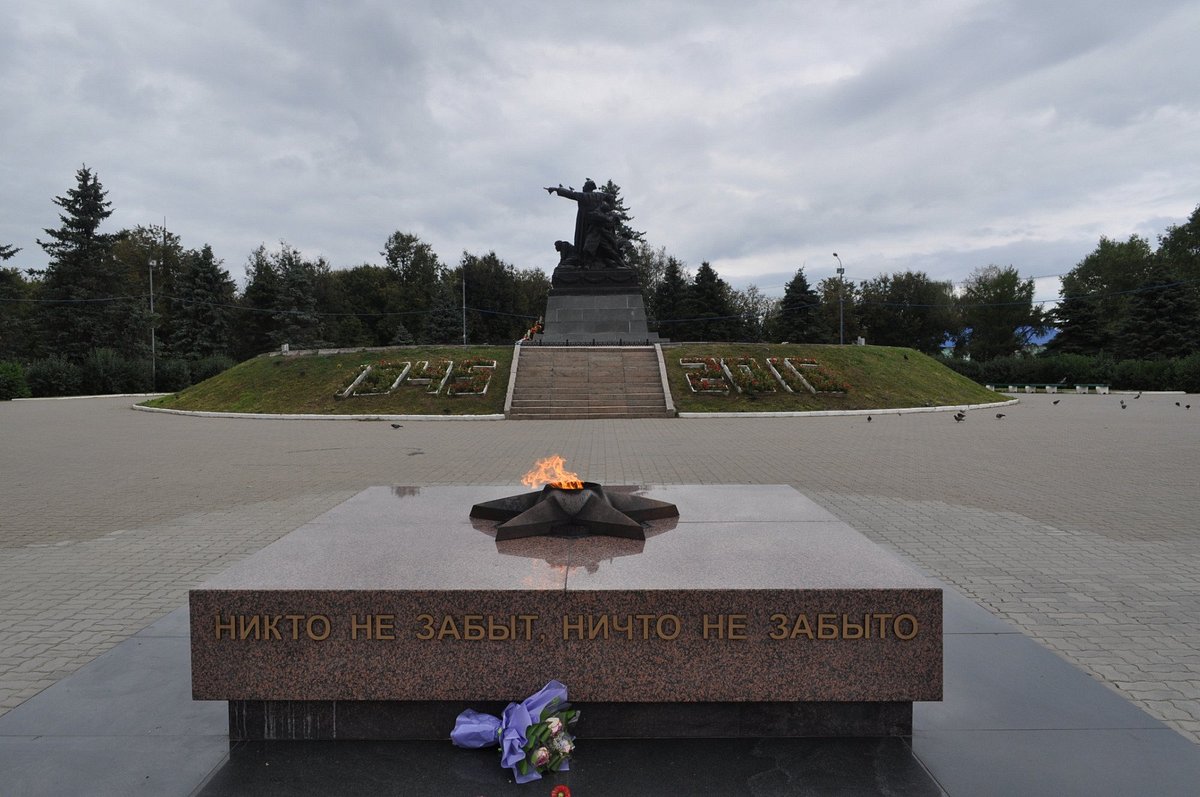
(448, 629)
(269, 629)
(245, 629)
(912, 621)
(356, 626)
(295, 619)
(627, 630)
(597, 626)
(314, 635)
(802, 628)
(494, 630)
(882, 618)
(851, 630)
(426, 631)
(781, 626)
(473, 627)
(528, 620)
(385, 626)
(645, 618)
(675, 624)
(224, 626)
(568, 626)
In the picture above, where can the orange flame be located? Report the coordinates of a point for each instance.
(550, 471)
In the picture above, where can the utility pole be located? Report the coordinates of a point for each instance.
(464, 303)
(841, 302)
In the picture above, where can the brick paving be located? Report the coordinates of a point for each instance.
(1077, 522)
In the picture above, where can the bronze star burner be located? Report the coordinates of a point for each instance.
(573, 512)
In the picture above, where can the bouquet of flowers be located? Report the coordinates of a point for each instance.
(532, 734)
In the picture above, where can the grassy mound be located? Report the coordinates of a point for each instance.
(875, 377)
(309, 383)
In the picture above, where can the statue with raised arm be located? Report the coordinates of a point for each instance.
(595, 245)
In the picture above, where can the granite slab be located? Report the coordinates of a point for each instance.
(753, 594)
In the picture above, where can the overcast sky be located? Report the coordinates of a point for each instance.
(760, 136)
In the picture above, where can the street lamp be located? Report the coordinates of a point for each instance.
(841, 302)
(153, 364)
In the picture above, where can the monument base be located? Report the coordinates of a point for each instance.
(754, 613)
(592, 308)
(263, 720)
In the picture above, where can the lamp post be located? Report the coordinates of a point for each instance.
(153, 364)
(841, 302)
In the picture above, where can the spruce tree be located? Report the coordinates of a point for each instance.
(203, 306)
(799, 318)
(94, 306)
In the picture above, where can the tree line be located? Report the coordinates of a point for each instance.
(138, 297)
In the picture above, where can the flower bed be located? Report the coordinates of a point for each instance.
(747, 375)
(471, 377)
(704, 375)
(816, 377)
(382, 377)
(373, 379)
(432, 373)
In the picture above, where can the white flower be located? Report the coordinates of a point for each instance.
(554, 725)
(541, 757)
(563, 744)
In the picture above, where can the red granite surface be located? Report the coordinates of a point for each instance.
(757, 551)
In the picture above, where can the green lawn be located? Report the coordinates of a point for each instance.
(877, 377)
(309, 383)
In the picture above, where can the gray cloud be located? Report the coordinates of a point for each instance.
(759, 137)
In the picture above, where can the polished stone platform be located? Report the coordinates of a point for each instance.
(591, 317)
(1015, 719)
(755, 613)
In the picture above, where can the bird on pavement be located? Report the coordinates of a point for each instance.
(959, 416)
(868, 419)
(1176, 403)
(1056, 401)
(397, 425)
(999, 414)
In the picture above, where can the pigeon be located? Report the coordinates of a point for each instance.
(1139, 395)
(397, 425)
(1057, 400)
(1177, 404)
(868, 419)
(906, 356)
(999, 414)
(1188, 407)
(959, 416)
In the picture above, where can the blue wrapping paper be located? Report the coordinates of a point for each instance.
(473, 729)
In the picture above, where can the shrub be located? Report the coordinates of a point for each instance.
(1144, 374)
(105, 371)
(12, 381)
(172, 375)
(1187, 373)
(54, 376)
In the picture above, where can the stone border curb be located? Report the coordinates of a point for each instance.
(267, 416)
(834, 413)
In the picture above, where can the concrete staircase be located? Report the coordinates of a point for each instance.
(583, 382)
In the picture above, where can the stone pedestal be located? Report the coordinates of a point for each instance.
(754, 613)
(596, 307)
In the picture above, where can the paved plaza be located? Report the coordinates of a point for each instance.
(1076, 521)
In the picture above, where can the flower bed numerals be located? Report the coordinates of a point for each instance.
(747, 375)
(376, 379)
(471, 377)
(704, 375)
(434, 374)
(801, 373)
